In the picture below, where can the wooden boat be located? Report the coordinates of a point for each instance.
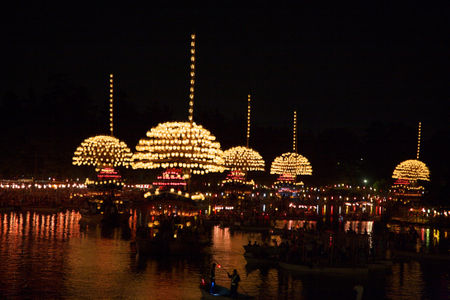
(330, 270)
(220, 292)
(110, 211)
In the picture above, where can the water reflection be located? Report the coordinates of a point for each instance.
(51, 256)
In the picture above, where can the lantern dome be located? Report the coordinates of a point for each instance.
(292, 164)
(102, 151)
(179, 145)
(243, 159)
(412, 169)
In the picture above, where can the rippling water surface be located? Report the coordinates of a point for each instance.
(52, 256)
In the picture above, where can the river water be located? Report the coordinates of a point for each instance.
(51, 256)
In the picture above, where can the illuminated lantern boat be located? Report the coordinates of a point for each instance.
(184, 145)
(289, 165)
(105, 153)
(408, 174)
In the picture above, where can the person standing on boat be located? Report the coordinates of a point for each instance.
(234, 283)
(212, 278)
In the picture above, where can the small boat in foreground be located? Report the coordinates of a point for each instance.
(220, 292)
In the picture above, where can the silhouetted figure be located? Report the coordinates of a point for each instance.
(212, 278)
(234, 283)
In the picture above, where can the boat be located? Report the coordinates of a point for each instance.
(327, 270)
(172, 236)
(220, 292)
(107, 210)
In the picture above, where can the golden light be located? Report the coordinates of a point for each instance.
(291, 164)
(111, 104)
(102, 151)
(243, 159)
(179, 145)
(412, 169)
(248, 118)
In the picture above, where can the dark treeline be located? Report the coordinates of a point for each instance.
(42, 130)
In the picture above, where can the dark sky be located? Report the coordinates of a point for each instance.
(339, 66)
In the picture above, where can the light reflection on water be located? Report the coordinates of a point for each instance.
(52, 256)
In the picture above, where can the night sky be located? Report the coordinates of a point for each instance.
(360, 78)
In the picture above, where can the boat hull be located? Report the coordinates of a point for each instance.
(220, 293)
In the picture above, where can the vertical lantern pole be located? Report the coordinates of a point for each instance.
(192, 81)
(248, 119)
(418, 140)
(191, 102)
(294, 133)
(111, 101)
